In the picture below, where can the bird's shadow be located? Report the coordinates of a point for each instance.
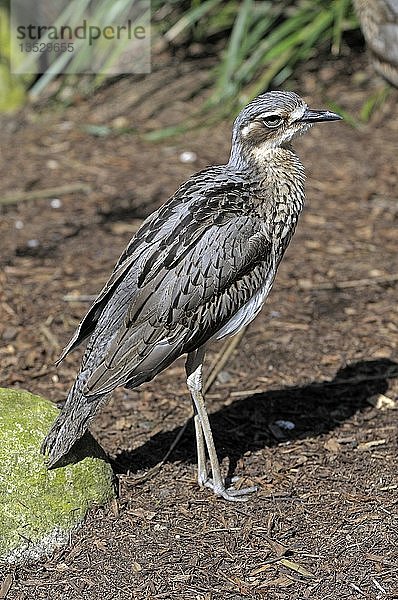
(249, 424)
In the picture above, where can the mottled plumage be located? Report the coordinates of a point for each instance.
(379, 24)
(199, 268)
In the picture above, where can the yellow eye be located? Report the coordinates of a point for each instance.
(272, 121)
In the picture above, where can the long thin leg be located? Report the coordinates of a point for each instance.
(192, 359)
(201, 451)
(203, 430)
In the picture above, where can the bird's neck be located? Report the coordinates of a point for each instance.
(277, 178)
(277, 168)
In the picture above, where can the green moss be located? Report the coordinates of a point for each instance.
(39, 508)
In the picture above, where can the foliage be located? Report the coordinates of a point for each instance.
(12, 87)
(258, 43)
(265, 40)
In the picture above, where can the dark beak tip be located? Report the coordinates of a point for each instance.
(319, 116)
(332, 116)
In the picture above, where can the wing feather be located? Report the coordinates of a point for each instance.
(192, 265)
(170, 314)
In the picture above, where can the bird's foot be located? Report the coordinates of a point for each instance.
(228, 492)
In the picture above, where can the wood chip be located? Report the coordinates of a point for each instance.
(277, 547)
(332, 445)
(120, 227)
(293, 566)
(372, 444)
(148, 515)
(382, 402)
(374, 557)
(78, 298)
(280, 582)
(6, 586)
(315, 219)
(54, 192)
(50, 337)
(291, 326)
(260, 569)
(113, 505)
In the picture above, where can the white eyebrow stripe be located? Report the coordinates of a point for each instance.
(245, 130)
(295, 115)
(298, 112)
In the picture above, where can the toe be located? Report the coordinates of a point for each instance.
(229, 493)
(242, 491)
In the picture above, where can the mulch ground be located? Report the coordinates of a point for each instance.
(322, 355)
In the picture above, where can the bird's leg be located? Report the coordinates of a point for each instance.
(203, 432)
(201, 450)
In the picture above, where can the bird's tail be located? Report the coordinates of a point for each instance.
(70, 425)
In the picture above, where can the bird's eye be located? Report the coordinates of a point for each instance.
(272, 121)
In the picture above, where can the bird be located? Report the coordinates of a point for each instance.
(379, 24)
(197, 270)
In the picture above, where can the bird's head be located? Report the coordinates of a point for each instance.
(271, 121)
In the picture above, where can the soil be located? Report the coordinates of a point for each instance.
(322, 355)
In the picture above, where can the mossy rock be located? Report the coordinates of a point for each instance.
(39, 508)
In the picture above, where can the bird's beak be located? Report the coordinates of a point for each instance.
(317, 116)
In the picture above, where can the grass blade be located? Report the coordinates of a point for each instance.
(225, 84)
(190, 18)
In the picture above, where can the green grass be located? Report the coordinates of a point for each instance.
(265, 41)
(262, 42)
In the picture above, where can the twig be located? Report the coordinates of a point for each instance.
(379, 587)
(53, 192)
(222, 357)
(357, 589)
(51, 338)
(353, 283)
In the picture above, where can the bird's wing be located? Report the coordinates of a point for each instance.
(184, 290)
(150, 240)
(122, 267)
